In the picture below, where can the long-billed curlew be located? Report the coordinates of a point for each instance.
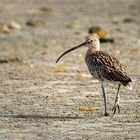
(103, 67)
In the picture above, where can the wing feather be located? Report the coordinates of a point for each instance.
(110, 68)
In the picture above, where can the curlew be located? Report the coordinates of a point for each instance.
(103, 67)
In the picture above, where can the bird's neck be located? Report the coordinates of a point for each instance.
(94, 49)
(90, 51)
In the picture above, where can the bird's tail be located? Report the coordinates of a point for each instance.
(127, 83)
(129, 86)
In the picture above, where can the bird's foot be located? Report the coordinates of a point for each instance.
(115, 108)
(106, 114)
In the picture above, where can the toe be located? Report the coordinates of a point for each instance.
(106, 114)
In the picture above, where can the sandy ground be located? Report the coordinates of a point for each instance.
(40, 99)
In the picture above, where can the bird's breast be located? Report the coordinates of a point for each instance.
(92, 65)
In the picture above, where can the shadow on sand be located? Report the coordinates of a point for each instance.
(14, 116)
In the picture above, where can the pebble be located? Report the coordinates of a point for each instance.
(4, 29)
(14, 25)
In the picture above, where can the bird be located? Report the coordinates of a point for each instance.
(104, 67)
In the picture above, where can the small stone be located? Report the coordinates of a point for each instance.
(14, 25)
(118, 51)
(33, 23)
(89, 110)
(93, 29)
(4, 29)
(46, 9)
(60, 70)
(30, 23)
(10, 60)
(85, 75)
(128, 20)
(31, 65)
(102, 33)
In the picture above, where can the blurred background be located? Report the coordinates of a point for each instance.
(44, 100)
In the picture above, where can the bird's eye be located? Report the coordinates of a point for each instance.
(91, 41)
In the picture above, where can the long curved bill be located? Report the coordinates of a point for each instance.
(72, 49)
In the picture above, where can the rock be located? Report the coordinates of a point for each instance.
(60, 70)
(33, 23)
(93, 29)
(128, 20)
(46, 9)
(99, 31)
(4, 29)
(105, 40)
(30, 23)
(14, 25)
(85, 75)
(10, 60)
(102, 33)
(89, 110)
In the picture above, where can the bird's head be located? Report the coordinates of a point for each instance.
(91, 43)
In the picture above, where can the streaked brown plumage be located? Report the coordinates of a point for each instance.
(103, 67)
(106, 67)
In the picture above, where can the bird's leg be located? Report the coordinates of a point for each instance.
(104, 96)
(116, 105)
